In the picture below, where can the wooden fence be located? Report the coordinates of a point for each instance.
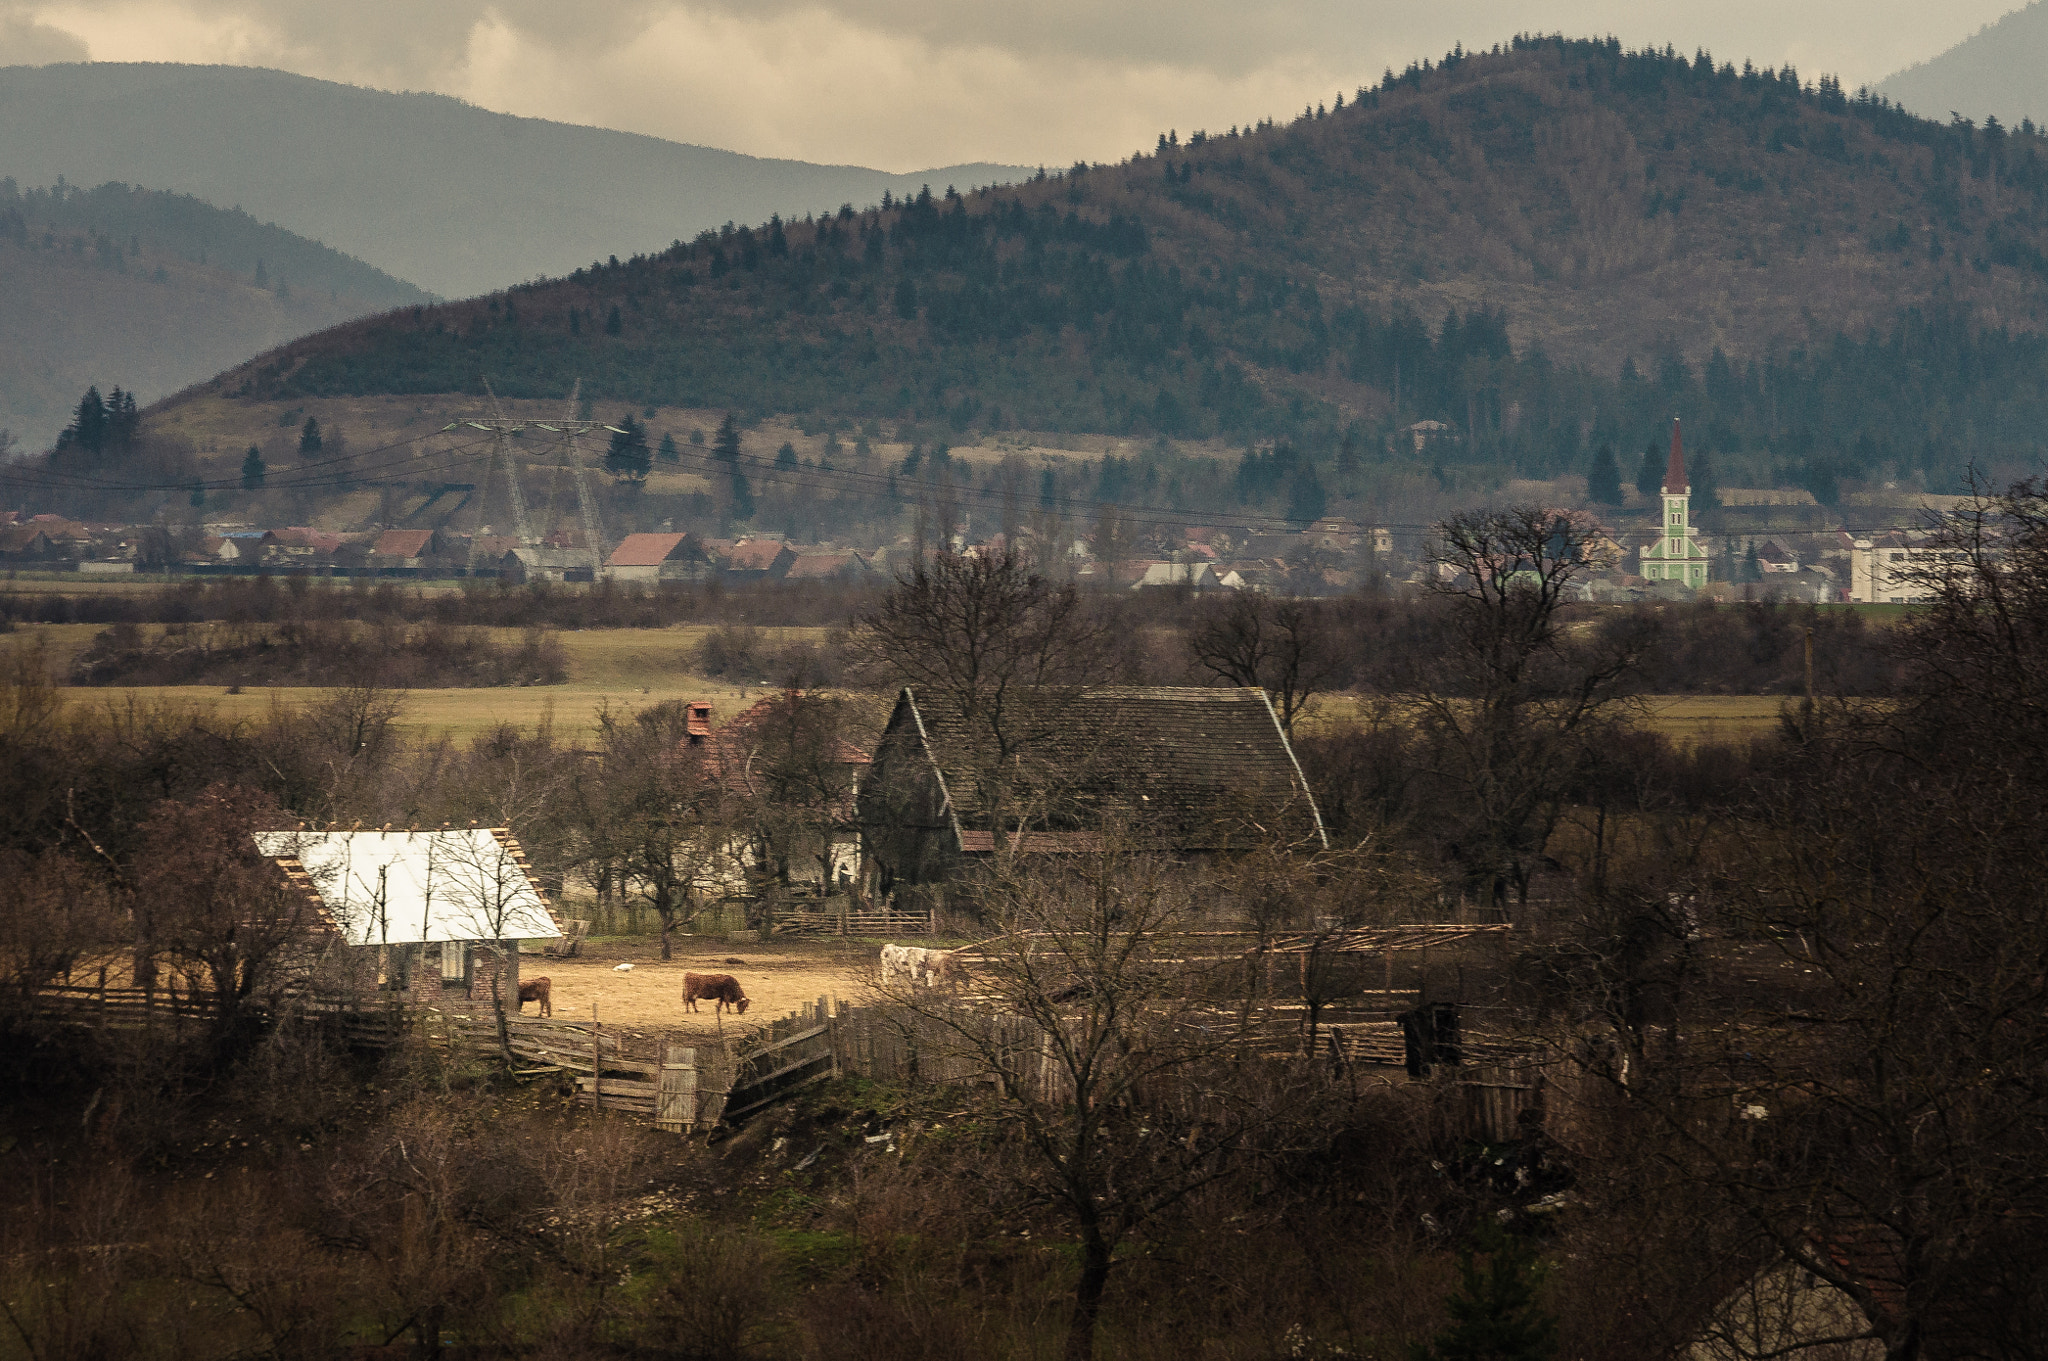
(876, 921)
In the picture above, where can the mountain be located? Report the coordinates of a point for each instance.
(1996, 72)
(1543, 250)
(152, 291)
(453, 197)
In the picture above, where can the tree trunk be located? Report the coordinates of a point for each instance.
(1088, 1294)
(665, 913)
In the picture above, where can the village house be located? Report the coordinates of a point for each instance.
(658, 557)
(1184, 770)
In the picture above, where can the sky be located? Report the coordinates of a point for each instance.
(905, 84)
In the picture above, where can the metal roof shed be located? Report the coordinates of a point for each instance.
(422, 887)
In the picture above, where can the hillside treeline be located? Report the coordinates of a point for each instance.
(1235, 285)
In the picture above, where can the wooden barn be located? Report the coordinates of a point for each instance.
(436, 909)
(1179, 769)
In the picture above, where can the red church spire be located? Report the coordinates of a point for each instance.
(1674, 471)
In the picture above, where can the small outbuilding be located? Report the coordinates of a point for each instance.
(443, 908)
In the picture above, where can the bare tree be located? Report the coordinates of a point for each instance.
(220, 911)
(1127, 1098)
(979, 632)
(1281, 646)
(1515, 701)
(656, 815)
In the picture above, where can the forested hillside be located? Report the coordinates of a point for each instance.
(152, 291)
(1547, 249)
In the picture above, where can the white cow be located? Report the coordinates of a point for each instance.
(916, 966)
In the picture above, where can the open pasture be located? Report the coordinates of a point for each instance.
(778, 978)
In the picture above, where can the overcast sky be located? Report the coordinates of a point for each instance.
(905, 84)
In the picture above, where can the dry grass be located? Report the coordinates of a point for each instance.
(628, 669)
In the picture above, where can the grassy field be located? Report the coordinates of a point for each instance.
(628, 669)
(632, 668)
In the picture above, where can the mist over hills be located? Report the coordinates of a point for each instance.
(2001, 70)
(452, 197)
(152, 291)
(1544, 250)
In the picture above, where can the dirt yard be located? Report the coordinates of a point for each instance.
(778, 978)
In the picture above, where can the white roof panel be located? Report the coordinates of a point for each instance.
(400, 888)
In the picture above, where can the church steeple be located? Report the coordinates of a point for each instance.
(1674, 471)
(1676, 554)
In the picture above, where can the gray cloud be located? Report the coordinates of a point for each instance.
(25, 42)
(899, 83)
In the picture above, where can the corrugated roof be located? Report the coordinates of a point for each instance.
(402, 888)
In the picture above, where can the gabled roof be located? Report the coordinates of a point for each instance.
(823, 566)
(650, 550)
(756, 555)
(402, 543)
(401, 888)
(1186, 767)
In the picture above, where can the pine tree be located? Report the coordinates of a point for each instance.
(742, 497)
(88, 428)
(906, 298)
(198, 496)
(614, 324)
(1603, 480)
(627, 457)
(785, 457)
(309, 438)
(1495, 1314)
(668, 452)
(1650, 472)
(1347, 454)
(725, 446)
(1706, 488)
(252, 469)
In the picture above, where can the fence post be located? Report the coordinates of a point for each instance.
(596, 1059)
(675, 1102)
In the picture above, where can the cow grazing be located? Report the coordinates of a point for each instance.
(536, 990)
(722, 988)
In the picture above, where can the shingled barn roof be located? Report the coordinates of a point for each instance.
(1183, 767)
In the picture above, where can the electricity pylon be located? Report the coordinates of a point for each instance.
(505, 427)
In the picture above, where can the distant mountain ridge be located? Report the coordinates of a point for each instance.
(454, 198)
(1479, 270)
(152, 291)
(2001, 70)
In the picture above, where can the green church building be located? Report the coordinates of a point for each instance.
(1676, 553)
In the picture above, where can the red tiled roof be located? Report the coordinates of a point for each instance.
(402, 543)
(756, 555)
(647, 550)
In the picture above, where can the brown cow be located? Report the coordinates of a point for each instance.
(722, 988)
(536, 990)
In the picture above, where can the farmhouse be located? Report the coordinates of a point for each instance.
(783, 753)
(1184, 770)
(658, 557)
(445, 908)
